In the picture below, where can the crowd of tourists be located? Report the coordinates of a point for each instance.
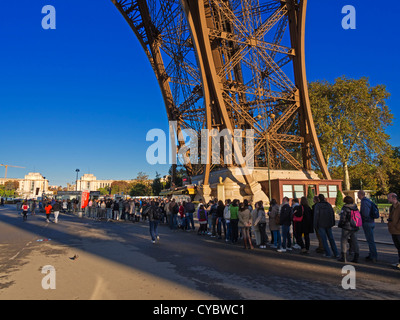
(290, 223)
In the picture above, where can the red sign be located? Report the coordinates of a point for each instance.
(85, 199)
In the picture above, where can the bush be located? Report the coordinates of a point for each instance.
(310, 196)
(339, 201)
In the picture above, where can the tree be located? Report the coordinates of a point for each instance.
(141, 176)
(120, 187)
(156, 186)
(394, 174)
(141, 186)
(179, 174)
(350, 118)
(9, 188)
(103, 191)
(140, 189)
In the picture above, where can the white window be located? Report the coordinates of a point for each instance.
(323, 189)
(332, 191)
(298, 191)
(287, 190)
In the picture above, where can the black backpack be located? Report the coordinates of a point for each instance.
(374, 211)
(157, 213)
(202, 214)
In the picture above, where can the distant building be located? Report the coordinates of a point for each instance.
(89, 182)
(32, 186)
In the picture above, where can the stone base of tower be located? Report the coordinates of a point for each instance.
(229, 183)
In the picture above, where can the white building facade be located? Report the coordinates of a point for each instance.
(90, 183)
(32, 186)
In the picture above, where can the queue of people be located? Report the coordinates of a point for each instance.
(290, 224)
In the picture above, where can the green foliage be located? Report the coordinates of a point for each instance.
(339, 201)
(179, 174)
(140, 189)
(119, 187)
(9, 188)
(103, 191)
(156, 186)
(351, 117)
(310, 196)
(394, 172)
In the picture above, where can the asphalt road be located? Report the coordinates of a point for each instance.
(116, 260)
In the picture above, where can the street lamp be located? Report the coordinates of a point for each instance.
(267, 123)
(76, 187)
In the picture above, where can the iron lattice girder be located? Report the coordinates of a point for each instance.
(253, 42)
(249, 84)
(163, 32)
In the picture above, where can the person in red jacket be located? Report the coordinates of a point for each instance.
(202, 216)
(48, 211)
(182, 214)
(25, 209)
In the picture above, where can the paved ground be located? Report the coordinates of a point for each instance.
(116, 260)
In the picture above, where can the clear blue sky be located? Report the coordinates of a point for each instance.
(84, 95)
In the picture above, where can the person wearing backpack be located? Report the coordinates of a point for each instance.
(303, 224)
(25, 208)
(227, 217)
(234, 209)
(202, 217)
(368, 225)
(261, 222)
(190, 209)
(285, 220)
(220, 219)
(56, 210)
(33, 213)
(274, 225)
(298, 211)
(349, 229)
(174, 209)
(154, 218)
(182, 215)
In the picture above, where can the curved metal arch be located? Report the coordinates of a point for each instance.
(164, 36)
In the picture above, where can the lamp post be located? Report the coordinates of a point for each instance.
(76, 186)
(271, 117)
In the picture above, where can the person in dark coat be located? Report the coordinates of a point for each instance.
(286, 216)
(324, 220)
(320, 248)
(298, 223)
(305, 226)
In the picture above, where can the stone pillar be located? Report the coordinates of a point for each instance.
(221, 190)
(232, 189)
(206, 193)
(258, 194)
